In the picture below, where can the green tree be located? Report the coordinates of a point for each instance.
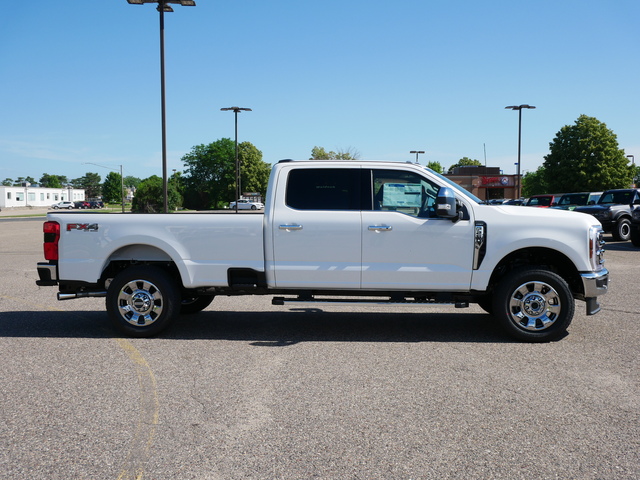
(52, 181)
(319, 153)
(7, 182)
(254, 173)
(149, 196)
(209, 176)
(585, 157)
(534, 183)
(464, 162)
(436, 167)
(131, 182)
(90, 183)
(112, 191)
(20, 180)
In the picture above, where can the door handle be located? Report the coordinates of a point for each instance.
(290, 227)
(381, 228)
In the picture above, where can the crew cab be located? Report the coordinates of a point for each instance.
(613, 210)
(333, 232)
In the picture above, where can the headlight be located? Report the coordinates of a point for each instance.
(605, 215)
(596, 248)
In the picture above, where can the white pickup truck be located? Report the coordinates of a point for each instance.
(336, 232)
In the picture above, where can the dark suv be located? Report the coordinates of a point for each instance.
(614, 211)
(635, 225)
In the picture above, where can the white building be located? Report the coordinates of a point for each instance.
(12, 197)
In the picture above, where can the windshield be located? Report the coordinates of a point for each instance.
(619, 197)
(455, 186)
(574, 199)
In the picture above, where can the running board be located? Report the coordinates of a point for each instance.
(364, 301)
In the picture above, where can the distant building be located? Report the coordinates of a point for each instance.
(486, 183)
(29, 196)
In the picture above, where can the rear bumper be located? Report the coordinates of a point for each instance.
(595, 284)
(47, 274)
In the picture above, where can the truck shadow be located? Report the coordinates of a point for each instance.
(271, 329)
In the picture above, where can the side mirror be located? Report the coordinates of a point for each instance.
(446, 204)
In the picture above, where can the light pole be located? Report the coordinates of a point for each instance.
(121, 179)
(633, 161)
(237, 110)
(417, 152)
(519, 108)
(163, 6)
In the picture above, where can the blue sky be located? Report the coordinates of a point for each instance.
(80, 79)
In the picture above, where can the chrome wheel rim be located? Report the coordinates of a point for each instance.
(534, 306)
(140, 303)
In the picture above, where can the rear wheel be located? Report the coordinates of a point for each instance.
(142, 301)
(534, 305)
(622, 231)
(195, 303)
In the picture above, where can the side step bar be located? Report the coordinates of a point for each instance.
(307, 300)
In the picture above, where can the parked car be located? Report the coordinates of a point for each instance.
(516, 201)
(614, 211)
(82, 205)
(543, 201)
(96, 204)
(569, 201)
(635, 225)
(244, 204)
(68, 205)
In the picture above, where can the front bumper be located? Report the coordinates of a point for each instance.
(594, 284)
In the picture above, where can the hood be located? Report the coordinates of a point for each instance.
(592, 208)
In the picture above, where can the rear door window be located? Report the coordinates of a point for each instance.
(324, 189)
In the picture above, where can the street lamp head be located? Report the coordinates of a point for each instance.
(416, 151)
(167, 8)
(518, 107)
(236, 109)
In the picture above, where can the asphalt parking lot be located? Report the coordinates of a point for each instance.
(247, 390)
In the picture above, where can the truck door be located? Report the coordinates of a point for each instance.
(405, 246)
(316, 229)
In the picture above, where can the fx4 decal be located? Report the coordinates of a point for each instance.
(86, 227)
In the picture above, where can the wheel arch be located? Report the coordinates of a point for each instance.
(140, 254)
(542, 257)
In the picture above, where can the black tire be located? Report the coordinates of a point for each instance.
(253, 207)
(635, 237)
(622, 231)
(142, 301)
(533, 305)
(195, 304)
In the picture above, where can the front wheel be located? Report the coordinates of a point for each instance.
(622, 231)
(142, 301)
(533, 305)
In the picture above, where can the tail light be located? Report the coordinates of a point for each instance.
(51, 238)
